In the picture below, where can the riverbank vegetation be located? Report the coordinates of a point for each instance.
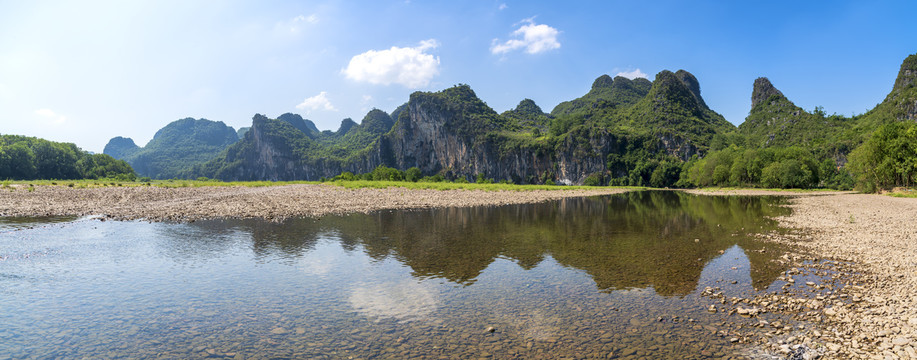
(23, 157)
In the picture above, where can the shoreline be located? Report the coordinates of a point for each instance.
(865, 244)
(876, 236)
(273, 203)
(864, 248)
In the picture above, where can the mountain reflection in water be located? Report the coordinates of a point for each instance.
(658, 239)
(579, 278)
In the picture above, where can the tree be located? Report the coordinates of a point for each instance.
(413, 174)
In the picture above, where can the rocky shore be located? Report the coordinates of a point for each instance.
(270, 202)
(877, 235)
(852, 285)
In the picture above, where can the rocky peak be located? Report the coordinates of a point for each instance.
(306, 126)
(377, 122)
(119, 147)
(528, 107)
(668, 86)
(602, 82)
(346, 125)
(907, 76)
(693, 85)
(763, 90)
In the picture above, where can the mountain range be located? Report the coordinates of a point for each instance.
(622, 132)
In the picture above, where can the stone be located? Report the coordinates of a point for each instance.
(490, 329)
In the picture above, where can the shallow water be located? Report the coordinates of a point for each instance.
(617, 276)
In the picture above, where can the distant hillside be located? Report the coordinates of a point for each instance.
(774, 120)
(175, 148)
(621, 132)
(783, 145)
(28, 158)
(603, 136)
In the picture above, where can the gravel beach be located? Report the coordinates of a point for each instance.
(269, 202)
(867, 246)
(878, 236)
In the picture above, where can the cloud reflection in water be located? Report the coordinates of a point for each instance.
(402, 300)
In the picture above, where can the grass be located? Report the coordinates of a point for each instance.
(356, 184)
(903, 193)
(713, 189)
(89, 183)
(361, 184)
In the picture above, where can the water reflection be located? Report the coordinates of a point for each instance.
(402, 300)
(574, 278)
(19, 223)
(657, 239)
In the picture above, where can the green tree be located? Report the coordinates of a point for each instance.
(413, 174)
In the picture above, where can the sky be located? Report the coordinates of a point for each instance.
(87, 71)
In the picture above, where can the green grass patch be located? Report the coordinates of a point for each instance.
(97, 183)
(715, 189)
(361, 184)
(904, 193)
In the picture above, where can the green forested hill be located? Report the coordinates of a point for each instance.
(28, 158)
(621, 132)
(175, 148)
(783, 145)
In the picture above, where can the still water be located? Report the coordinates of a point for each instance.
(605, 277)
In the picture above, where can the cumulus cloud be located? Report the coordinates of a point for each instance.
(317, 102)
(411, 67)
(632, 74)
(534, 38)
(50, 115)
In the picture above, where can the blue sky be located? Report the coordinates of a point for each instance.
(86, 71)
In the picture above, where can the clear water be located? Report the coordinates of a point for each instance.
(603, 277)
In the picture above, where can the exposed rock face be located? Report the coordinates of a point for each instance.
(907, 76)
(904, 94)
(456, 134)
(306, 126)
(268, 154)
(763, 90)
(693, 85)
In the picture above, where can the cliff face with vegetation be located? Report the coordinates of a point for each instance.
(783, 145)
(455, 134)
(621, 132)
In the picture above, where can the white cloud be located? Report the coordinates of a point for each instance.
(367, 99)
(535, 38)
(48, 114)
(632, 74)
(296, 24)
(503, 6)
(411, 67)
(316, 102)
